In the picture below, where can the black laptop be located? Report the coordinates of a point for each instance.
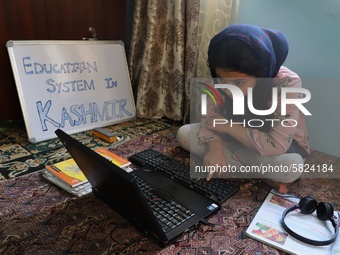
(159, 206)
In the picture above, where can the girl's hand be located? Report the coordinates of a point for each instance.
(214, 158)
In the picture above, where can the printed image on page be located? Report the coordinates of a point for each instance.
(270, 233)
(266, 227)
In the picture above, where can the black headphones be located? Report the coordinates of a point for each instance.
(308, 205)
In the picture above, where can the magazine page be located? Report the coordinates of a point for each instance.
(266, 227)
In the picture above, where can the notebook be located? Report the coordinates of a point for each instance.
(160, 207)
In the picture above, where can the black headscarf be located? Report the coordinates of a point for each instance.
(269, 46)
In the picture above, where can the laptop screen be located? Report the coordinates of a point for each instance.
(112, 184)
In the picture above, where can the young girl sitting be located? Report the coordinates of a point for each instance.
(248, 56)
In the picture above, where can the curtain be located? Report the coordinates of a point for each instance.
(215, 15)
(168, 42)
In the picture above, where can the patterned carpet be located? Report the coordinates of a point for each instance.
(37, 217)
(19, 157)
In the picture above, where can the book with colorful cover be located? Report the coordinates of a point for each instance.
(70, 174)
(79, 191)
(114, 158)
(68, 171)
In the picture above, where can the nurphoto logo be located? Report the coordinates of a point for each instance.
(239, 98)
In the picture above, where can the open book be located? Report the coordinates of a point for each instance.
(266, 227)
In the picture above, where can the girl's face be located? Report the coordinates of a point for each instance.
(241, 80)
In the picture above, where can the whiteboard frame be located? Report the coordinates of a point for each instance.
(10, 48)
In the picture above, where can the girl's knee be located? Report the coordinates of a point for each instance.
(183, 137)
(187, 138)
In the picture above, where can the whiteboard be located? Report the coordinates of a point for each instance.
(71, 85)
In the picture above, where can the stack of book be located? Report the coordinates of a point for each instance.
(68, 176)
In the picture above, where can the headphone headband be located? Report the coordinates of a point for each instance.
(308, 205)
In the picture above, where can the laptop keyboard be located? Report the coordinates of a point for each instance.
(169, 214)
(216, 189)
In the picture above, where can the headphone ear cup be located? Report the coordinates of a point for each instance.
(325, 211)
(308, 205)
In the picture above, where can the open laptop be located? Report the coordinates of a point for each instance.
(157, 205)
